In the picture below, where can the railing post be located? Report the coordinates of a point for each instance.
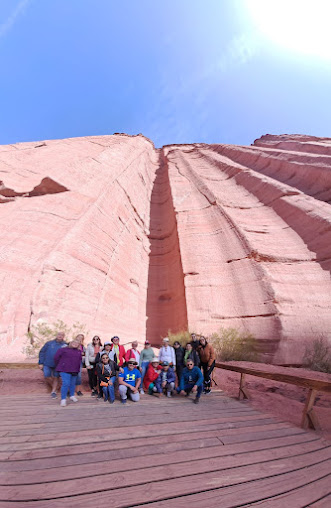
(309, 418)
(242, 389)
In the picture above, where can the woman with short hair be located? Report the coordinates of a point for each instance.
(68, 361)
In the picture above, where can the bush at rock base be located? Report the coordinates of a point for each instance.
(318, 355)
(43, 332)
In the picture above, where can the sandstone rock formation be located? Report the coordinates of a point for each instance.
(110, 232)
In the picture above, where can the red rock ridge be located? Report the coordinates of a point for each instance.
(110, 232)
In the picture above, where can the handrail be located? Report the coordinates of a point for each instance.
(313, 381)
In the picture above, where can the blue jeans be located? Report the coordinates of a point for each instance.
(109, 391)
(68, 383)
(188, 388)
(144, 367)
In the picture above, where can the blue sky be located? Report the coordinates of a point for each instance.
(178, 71)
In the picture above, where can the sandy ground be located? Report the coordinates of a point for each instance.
(282, 400)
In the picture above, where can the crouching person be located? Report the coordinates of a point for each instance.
(191, 381)
(152, 373)
(129, 381)
(106, 372)
(166, 380)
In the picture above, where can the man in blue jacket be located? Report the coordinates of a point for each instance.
(191, 381)
(47, 363)
(166, 380)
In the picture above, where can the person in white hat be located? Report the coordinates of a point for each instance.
(167, 353)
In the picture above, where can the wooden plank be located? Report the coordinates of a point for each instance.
(175, 474)
(246, 493)
(76, 455)
(150, 456)
(320, 381)
(122, 433)
(114, 422)
(325, 502)
(299, 497)
(124, 490)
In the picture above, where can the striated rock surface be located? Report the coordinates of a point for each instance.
(127, 239)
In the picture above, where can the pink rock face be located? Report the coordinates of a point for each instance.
(129, 240)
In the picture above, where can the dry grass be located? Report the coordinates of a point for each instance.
(232, 345)
(43, 332)
(318, 355)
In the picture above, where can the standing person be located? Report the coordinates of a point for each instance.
(68, 361)
(195, 341)
(179, 353)
(191, 381)
(167, 353)
(152, 373)
(166, 380)
(191, 354)
(80, 338)
(133, 353)
(92, 350)
(106, 371)
(119, 350)
(47, 363)
(207, 358)
(146, 357)
(129, 382)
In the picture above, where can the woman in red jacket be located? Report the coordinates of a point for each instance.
(151, 375)
(119, 350)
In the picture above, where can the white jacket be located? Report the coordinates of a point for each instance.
(167, 354)
(89, 355)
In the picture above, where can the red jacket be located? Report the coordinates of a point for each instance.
(121, 358)
(130, 354)
(151, 375)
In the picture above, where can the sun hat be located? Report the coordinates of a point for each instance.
(107, 343)
(155, 359)
(133, 360)
(165, 339)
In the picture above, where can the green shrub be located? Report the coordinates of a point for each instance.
(183, 337)
(318, 355)
(43, 332)
(231, 345)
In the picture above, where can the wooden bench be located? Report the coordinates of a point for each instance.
(314, 381)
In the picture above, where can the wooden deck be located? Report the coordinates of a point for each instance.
(158, 452)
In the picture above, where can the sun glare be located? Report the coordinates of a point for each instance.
(297, 25)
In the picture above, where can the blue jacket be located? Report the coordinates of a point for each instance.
(48, 352)
(191, 377)
(171, 378)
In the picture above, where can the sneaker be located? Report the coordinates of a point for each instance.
(99, 397)
(111, 401)
(123, 401)
(142, 391)
(105, 400)
(80, 394)
(53, 395)
(63, 403)
(94, 393)
(208, 392)
(196, 400)
(73, 399)
(169, 395)
(187, 394)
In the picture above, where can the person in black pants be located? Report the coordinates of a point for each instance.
(207, 358)
(179, 352)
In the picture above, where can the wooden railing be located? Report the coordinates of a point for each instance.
(313, 381)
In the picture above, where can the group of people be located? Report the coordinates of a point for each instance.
(175, 370)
